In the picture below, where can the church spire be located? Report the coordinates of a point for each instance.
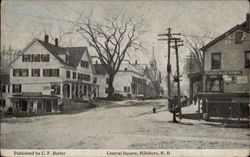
(152, 61)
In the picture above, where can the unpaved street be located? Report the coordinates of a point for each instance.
(119, 126)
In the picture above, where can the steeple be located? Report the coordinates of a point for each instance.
(152, 61)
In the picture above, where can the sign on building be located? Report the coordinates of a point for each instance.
(242, 79)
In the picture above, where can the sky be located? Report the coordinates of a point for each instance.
(21, 21)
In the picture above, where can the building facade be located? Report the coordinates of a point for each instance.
(45, 74)
(226, 79)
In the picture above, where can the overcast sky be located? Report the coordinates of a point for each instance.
(22, 20)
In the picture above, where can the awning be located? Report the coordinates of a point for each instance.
(33, 96)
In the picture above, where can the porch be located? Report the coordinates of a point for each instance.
(34, 103)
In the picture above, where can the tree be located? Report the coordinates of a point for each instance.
(194, 44)
(112, 38)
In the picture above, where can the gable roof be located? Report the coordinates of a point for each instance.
(241, 26)
(99, 68)
(75, 53)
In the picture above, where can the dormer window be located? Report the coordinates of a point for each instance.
(85, 64)
(67, 58)
(238, 37)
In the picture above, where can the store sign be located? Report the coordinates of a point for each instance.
(223, 73)
(242, 79)
(46, 88)
(227, 78)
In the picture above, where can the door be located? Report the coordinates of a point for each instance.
(24, 105)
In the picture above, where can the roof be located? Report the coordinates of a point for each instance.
(241, 26)
(75, 53)
(99, 68)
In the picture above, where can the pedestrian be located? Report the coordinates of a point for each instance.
(195, 100)
(154, 110)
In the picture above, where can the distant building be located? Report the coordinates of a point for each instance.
(226, 79)
(43, 75)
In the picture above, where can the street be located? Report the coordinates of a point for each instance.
(127, 124)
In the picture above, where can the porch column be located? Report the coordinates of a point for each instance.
(70, 90)
(61, 89)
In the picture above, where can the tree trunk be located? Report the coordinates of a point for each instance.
(110, 86)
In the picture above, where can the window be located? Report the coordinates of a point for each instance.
(44, 57)
(106, 90)
(85, 64)
(26, 58)
(238, 37)
(35, 72)
(55, 89)
(17, 88)
(20, 72)
(95, 80)
(107, 80)
(126, 89)
(17, 72)
(247, 59)
(74, 75)
(125, 69)
(84, 77)
(3, 89)
(51, 72)
(55, 72)
(214, 83)
(216, 61)
(36, 57)
(25, 72)
(68, 74)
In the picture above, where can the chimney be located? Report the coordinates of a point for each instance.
(46, 39)
(248, 21)
(56, 42)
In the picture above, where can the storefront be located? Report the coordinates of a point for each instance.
(226, 94)
(34, 103)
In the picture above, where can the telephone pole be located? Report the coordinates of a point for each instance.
(170, 39)
(177, 79)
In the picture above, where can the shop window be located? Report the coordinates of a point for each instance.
(55, 89)
(238, 37)
(216, 61)
(17, 88)
(35, 72)
(247, 59)
(214, 84)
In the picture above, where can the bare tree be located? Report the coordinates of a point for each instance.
(112, 38)
(194, 44)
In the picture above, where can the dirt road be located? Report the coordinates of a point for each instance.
(123, 126)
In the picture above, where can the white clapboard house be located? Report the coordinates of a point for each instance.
(45, 74)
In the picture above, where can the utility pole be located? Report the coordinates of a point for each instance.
(176, 41)
(170, 102)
